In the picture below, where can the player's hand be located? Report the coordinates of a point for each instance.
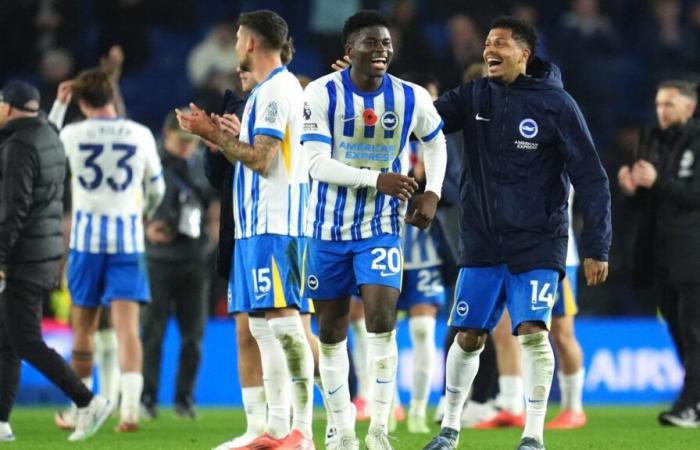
(159, 232)
(112, 63)
(228, 123)
(341, 64)
(65, 92)
(644, 173)
(396, 185)
(422, 210)
(596, 271)
(625, 180)
(197, 122)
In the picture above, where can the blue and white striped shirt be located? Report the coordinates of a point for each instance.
(275, 203)
(363, 130)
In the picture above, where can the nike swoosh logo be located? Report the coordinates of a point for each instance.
(335, 390)
(348, 119)
(484, 119)
(451, 390)
(529, 400)
(259, 296)
(383, 381)
(537, 308)
(384, 274)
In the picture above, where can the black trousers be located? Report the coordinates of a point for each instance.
(680, 305)
(21, 339)
(178, 288)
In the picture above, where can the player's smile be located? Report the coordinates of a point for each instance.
(371, 51)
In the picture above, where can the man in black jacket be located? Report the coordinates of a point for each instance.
(177, 250)
(32, 172)
(665, 185)
(525, 142)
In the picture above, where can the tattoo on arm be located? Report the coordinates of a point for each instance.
(257, 157)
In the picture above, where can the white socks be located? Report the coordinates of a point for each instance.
(131, 385)
(461, 370)
(359, 356)
(571, 387)
(107, 361)
(538, 370)
(289, 331)
(510, 395)
(382, 357)
(422, 330)
(334, 367)
(275, 377)
(255, 408)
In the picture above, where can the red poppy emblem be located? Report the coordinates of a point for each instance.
(369, 117)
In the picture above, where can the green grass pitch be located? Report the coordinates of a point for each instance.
(615, 428)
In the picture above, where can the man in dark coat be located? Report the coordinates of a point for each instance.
(32, 172)
(665, 189)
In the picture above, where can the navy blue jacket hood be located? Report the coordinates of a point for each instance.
(525, 144)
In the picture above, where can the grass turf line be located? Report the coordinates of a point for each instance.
(608, 428)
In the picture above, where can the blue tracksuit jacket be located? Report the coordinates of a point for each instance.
(523, 144)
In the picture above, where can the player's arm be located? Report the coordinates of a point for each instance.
(322, 167)
(592, 187)
(63, 97)
(454, 108)
(257, 157)
(434, 150)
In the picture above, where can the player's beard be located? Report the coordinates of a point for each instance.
(244, 65)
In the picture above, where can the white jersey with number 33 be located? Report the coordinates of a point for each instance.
(111, 160)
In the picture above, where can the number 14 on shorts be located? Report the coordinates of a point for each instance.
(543, 295)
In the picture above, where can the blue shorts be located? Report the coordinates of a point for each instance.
(420, 287)
(266, 273)
(335, 269)
(565, 304)
(95, 279)
(481, 294)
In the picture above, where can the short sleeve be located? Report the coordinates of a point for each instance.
(428, 122)
(272, 110)
(154, 170)
(316, 126)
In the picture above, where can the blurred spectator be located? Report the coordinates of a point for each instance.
(668, 45)
(57, 23)
(177, 248)
(125, 23)
(212, 65)
(215, 54)
(664, 180)
(466, 47)
(325, 25)
(411, 49)
(56, 66)
(585, 38)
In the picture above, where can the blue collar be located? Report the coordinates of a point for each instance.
(347, 82)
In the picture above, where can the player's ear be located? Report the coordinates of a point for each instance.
(348, 49)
